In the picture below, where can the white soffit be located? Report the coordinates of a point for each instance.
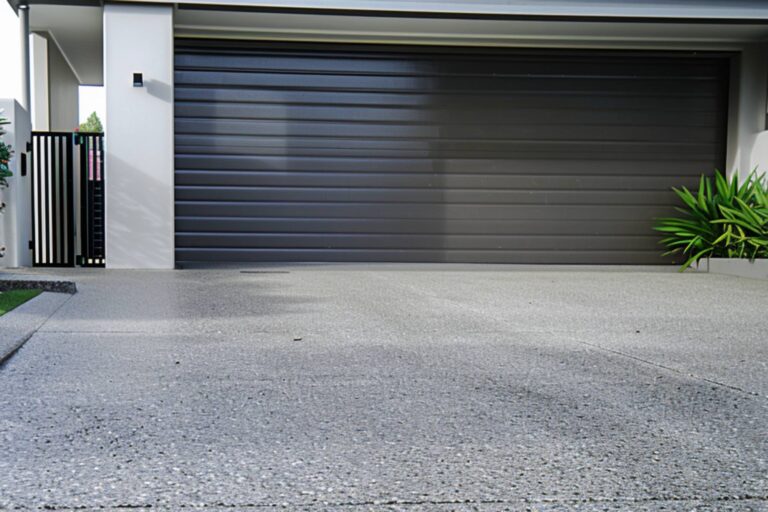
(454, 31)
(683, 9)
(77, 31)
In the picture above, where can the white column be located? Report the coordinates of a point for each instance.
(26, 95)
(139, 136)
(748, 138)
(41, 120)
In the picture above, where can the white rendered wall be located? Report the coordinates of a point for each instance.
(63, 92)
(16, 221)
(747, 136)
(140, 223)
(139, 136)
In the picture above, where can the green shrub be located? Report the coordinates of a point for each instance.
(91, 125)
(723, 219)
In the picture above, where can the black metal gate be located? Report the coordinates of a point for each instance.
(92, 246)
(53, 212)
(57, 201)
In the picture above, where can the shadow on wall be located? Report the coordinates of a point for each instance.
(139, 179)
(159, 90)
(759, 156)
(139, 216)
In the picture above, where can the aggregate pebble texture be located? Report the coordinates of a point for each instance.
(417, 388)
(22, 282)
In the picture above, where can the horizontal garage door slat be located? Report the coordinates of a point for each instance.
(429, 116)
(447, 181)
(659, 101)
(652, 155)
(370, 63)
(432, 195)
(511, 132)
(355, 153)
(386, 168)
(408, 211)
(411, 242)
(577, 257)
(465, 85)
(196, 224)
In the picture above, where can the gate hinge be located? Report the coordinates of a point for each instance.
(29, 147)
(31, 245)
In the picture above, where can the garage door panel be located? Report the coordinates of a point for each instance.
(534, 131)
(411, 241)
(380, 153)
(459, 115)
(506, 181)
(422, 195)
(652, 155)
(412, 226)
(457, 64)
(630, 85)
(199, 155)
(185, 94)
(424, 211)
(571, 166)
(594, 257)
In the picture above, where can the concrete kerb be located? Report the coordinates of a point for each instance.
(19, 325)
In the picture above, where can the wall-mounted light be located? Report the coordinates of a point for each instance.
(138, 79)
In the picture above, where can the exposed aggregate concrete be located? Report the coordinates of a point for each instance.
(411, 388)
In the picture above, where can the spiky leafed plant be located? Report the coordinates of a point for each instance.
(746, 226)
(715, 219)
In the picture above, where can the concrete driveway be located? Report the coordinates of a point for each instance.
(392, 388)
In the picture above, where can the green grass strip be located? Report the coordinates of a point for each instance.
(13, 298)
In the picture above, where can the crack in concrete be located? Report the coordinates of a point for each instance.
(667, 368)
(517, 328)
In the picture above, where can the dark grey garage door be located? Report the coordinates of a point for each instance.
(365, 153)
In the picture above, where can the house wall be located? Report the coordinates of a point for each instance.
(16, 220)
(55, 87)
(139, 127)
(63, 92)
(748, 138)
(140, 216)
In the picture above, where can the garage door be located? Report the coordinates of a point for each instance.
(377, 153)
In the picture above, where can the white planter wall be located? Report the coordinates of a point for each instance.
(739, 267)
(16, 220)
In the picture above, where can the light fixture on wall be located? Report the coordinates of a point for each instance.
(138, 79)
